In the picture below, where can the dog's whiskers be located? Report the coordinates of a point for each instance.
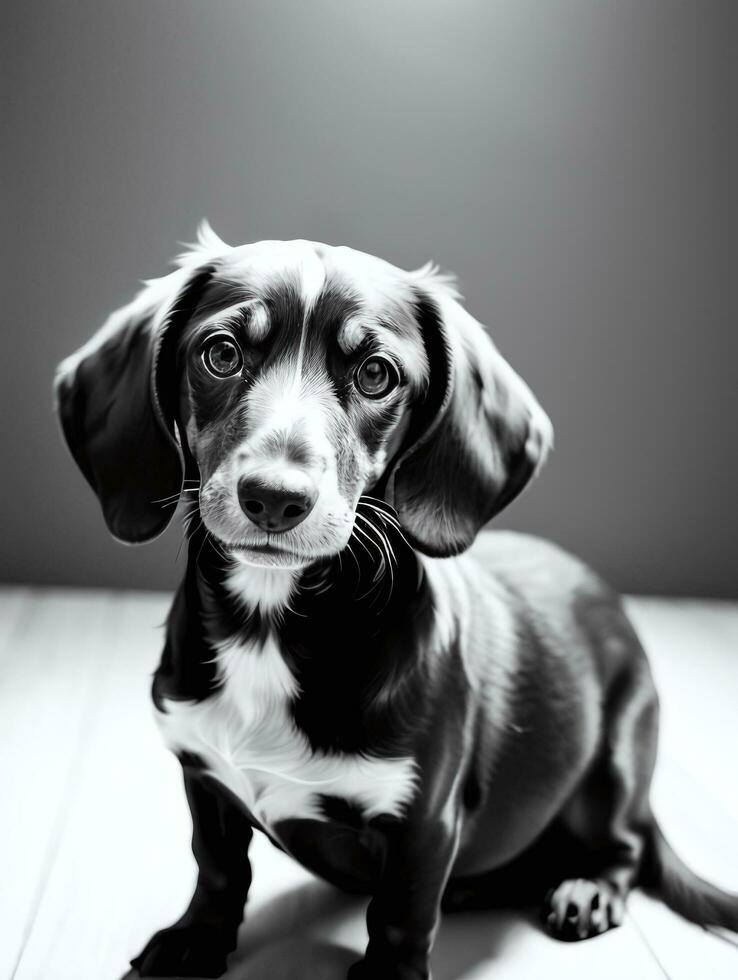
(173, 499)
(381, 566)
(358, 531)
(167, 501)
(366, 530)
(389, 557)
(378, 544)
(188, 530)
(218, 547)
(384, 512)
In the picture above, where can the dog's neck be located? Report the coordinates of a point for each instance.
(265, 591)
(376, 575)
(365, 586)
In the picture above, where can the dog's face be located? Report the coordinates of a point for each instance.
(288, 379)
(297, 373)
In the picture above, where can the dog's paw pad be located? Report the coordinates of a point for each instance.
(579, 909)
(184, 951)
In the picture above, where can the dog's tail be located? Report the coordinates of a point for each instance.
(682, 890)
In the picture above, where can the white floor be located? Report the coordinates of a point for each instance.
(94, 831)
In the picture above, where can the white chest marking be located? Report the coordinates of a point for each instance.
(264, 589)
(247, 739)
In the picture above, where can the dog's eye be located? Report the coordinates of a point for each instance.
(376, 377)
(222, 357)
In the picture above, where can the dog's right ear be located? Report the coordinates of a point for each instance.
(117, 414)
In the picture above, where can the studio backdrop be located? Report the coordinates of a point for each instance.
(575, 163)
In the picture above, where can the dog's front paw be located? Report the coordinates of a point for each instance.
(185, 951)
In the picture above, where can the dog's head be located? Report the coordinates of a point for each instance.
(286, 380)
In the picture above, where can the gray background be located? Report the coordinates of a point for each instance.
(575, 162)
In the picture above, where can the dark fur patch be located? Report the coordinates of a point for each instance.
(118, 408)
(346, 630)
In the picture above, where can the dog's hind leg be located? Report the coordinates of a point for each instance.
(609, 814)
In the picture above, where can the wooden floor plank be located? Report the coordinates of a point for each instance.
(685, 951)
(122, 859)
(47, 688)
(693, 649)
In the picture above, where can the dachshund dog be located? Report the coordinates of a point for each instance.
(413, 710)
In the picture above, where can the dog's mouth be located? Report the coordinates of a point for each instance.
(267, 553)
(262, 549)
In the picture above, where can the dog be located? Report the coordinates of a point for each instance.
(414, 710)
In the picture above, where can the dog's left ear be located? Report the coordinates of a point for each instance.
(476, 439)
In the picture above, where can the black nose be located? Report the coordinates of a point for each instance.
(274, 508)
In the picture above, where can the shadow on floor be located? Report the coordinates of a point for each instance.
(315, 932)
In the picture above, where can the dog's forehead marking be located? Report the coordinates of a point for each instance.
(259, 322)
(327, 295)
(251, 314)
(312, 274)
(284, 267)
(311, 265)
(351, 333)
(312, 280)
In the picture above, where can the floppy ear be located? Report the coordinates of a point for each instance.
(116, 405)
(475, 441)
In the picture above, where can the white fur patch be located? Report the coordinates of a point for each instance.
(246, 737)
(312, 277)
(351, 333)
(250, 313)
(265, 590)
